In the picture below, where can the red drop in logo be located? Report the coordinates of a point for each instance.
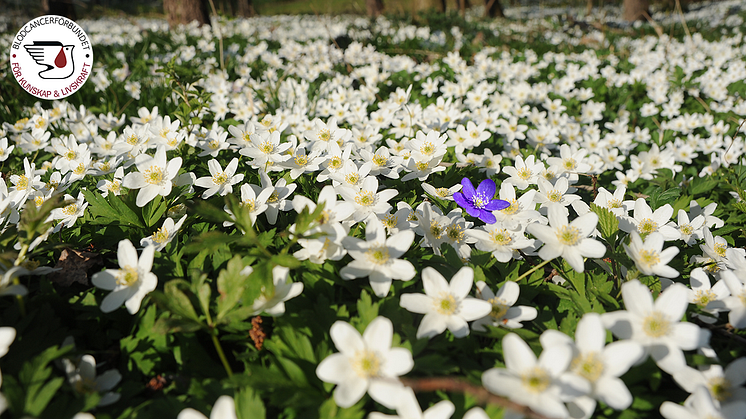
(60, 61)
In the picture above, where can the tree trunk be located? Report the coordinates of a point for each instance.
(60, 8)
(245, 8)
(492, 8)
(374, 8)
(423, 5)
(182, 12)
(588, 7)
(635, 9)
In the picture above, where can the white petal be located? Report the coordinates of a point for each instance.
(518, 355)
(346, 338)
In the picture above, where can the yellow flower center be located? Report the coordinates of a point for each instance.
(21, 123)
(324, 135)
(214, 144)
(720, 388)
(703, 297)
(273, 198)
(524, 173)
(128, 276)
(266, 147)
(455, 233)
(365, 198)
(335, 163)
(649, 257)
(589, 366)
(160, 236)
(71, 154)
(390, 220)
(442, 192)
(647, 226)
(555, 196)
(352, 178)
(615, 203)
(656, 325)
(446, 304)
(427, 149)
(324, 217)
(133, 139)
(22, 182)
(38, 201)
(380, 160)
(80, 169)
(249, 204)
(720, 249)
(378, 255)
(568, 235)
(220, 179)
(421, 166)
(436, 230)
(569, 164)
(536, 380)
(301, 160)
(70, 209)
(501, 237)
(686, 229)
(499, 308)
(154, 175)
(366, 364)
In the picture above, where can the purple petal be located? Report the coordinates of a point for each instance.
(467, 188)
(462, 201)
(487, 217)
(497, 205)
(474, 212)
(487, 188)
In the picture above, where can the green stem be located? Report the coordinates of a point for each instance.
(19, 260)
(532, 270)
(221, 355)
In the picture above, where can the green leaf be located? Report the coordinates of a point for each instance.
(668, 196)
(175, 301)
(34, 376)
(231, 282)
(608, 223)
(125, 213)
(209, 212)
(209, 242)
(366, 310)
(249, 405)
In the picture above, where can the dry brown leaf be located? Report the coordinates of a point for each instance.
(74, 266)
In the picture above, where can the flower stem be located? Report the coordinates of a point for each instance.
(221, 355)
(532, 270)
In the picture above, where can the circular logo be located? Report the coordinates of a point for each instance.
(51, 57)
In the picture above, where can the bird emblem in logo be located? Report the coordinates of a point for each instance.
(56, 57)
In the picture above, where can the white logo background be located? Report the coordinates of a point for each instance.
(51, 57)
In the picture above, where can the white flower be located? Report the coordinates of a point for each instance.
(599, 364)
(725, 386)
(82, 377)
(266, 149)
(154, 176)
(445, 194)
(649, 256)
(73, 209)
(656, 326)
(543, 384)
(446, 305)
(113, 186)
(219, 181)
(365, 363)
(368, 200)
(224, 408)
(7, 336)
(737, 300)
(523, 173)
(378, 257)
(274, 304)
(521, 211)
(707, 297)
(131, 283)
(164, 234)
(646, 221)
(409, 408)
(503, 313)
(700, 405)
(503, 242)
(277, 199)
(569, 240)
(253, 203)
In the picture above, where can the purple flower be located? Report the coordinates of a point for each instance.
(479, 203)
